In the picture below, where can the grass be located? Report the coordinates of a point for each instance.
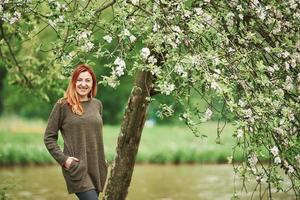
(22, 143)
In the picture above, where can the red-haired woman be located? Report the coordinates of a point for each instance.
(78, 116)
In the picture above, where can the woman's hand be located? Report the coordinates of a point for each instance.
(69, 161)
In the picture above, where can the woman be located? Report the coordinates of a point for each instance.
(78, 116)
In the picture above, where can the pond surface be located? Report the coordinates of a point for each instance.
(150, 182)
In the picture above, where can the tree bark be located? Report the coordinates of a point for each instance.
(129, 138)
(3, 73)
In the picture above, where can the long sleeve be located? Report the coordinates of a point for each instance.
(51, 134)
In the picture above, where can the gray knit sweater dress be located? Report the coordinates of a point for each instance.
(83, 139)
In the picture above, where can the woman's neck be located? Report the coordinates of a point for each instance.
(84, 98)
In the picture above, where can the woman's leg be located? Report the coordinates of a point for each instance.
(88, 195)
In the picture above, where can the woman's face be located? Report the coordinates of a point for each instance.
(84, 84)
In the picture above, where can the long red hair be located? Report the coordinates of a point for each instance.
(71, 95)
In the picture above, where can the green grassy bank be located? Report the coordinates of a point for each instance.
(159, 144)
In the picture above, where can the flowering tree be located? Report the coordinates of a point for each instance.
(244, 52)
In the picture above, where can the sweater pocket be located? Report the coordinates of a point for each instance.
(76, 170)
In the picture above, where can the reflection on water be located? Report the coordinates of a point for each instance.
(150, 182)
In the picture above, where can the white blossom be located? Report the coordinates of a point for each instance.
(217, 73)
(293, 4)
(187, 14)
(276, 29)
(214, 85)
(84, 35)
(126, 32)
(155, 27)
(291, 169)
(275, 66)
(262, 13)
(216, 60)
(145, 52)
(279, 92)
(293, 63)
(132, 38)
(248, 113)
(207, 115)
(298, 77)
(51, 23)
(251, 129)
(119, 62)
(281, 122)
(233, 3)
(287, 65)
(152, 60)
(288, 83)
(194, 59)
(176, 29)
(107, 38)
(155, 70)
(239, 8)
(198, 11)
(267, 49)
(287, 112)
(17, 15)
(279, 131)
(119, 71)
(135, 2)
(230, 49)
(241, 103)
(112, 81)
(291, 116)
(275, 151)
(179, 70)
(296, 15)
(61, 18)
(240, 134)
(64, 7)
(12, 19)
(285, 54)
(271, 70)
(6, 17)
(277, 160)
(120, 67)
(167, 88)
(209, 19)
(252, 160)
(88, 46)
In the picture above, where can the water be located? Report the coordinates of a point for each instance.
(150, 182)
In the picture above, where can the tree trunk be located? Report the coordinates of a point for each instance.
(3, 73)
(129, 138)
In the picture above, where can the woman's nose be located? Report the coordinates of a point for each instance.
(83, 83)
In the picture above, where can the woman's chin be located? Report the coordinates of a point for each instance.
(82, 94)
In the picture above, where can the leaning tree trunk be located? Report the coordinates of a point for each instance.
(129, 138)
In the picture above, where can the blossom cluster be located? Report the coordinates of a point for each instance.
(84, 38)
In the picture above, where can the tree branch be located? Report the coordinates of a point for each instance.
(105, 7)
(27, 82)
